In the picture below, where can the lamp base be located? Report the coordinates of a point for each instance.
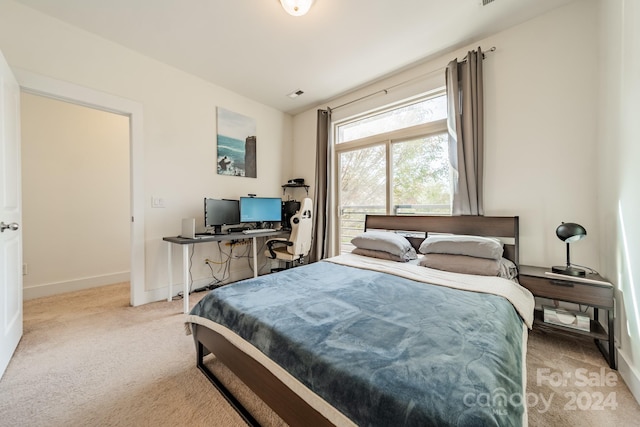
(568, 270)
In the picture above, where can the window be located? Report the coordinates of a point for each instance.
(393, 162)
(418, 113)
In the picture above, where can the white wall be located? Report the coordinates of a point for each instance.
(540, 127)
(618, 155)
(75, 186)
(179, 125)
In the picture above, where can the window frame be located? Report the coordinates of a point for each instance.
(387, 139)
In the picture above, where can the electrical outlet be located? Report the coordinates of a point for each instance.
(25, 270)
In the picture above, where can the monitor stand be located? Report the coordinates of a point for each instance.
(264, 224)
(217, 229)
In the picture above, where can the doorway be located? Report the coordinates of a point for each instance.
(41, 85)
(76, 195)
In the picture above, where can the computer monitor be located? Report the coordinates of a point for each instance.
(219, 212)
(260, 209)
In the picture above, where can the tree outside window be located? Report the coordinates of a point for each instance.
(395, 162)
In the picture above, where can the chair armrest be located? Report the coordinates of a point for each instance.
(278, 241)
(282, 239)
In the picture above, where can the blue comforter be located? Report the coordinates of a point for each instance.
(382, 349)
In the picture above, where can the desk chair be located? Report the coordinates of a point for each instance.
(297, 246)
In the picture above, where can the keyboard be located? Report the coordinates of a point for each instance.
(258, 230)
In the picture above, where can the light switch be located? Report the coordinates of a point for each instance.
(157, 202)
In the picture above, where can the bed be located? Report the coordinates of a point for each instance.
(363, 340)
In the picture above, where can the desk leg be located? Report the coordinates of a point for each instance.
(255, 256)
(170, 270)
(185, 277)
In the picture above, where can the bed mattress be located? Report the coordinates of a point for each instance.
(386, 343)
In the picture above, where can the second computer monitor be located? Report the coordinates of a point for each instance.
(220, 212)
(260, 209)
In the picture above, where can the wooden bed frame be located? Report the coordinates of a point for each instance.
(279, 397)
(489, 226)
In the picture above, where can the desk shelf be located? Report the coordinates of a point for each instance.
(285, 186)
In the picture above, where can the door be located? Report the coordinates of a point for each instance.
(10, 216)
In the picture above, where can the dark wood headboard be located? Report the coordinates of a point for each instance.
(503, 227)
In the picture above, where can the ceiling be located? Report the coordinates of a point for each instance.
(254, 48)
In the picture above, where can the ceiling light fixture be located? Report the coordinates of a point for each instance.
(296, 7)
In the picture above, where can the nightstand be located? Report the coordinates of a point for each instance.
(591, 290)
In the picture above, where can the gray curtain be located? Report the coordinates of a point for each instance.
(320, 245)
(465, 120)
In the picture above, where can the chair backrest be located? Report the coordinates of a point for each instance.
(301, 226)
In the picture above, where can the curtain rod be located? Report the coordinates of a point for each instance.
(386, 91)
(491, 49)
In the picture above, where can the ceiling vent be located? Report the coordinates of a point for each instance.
(486, 2)
(295, 94)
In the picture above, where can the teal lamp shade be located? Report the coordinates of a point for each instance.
(569, 232)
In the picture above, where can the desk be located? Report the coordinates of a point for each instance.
(213, 238)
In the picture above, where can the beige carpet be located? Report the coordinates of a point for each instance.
(88, 359)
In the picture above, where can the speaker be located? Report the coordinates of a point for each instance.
(289, 209)
(188, 228)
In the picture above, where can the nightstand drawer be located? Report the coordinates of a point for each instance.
(565, 290)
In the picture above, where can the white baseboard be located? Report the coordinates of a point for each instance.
(629, 374)
(153, 295)
(48, 289)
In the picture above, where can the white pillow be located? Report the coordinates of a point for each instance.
(476, 246)
(385, 241)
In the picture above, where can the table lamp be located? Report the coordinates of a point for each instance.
(569, 232)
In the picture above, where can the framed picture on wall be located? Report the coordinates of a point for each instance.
(236, 141)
